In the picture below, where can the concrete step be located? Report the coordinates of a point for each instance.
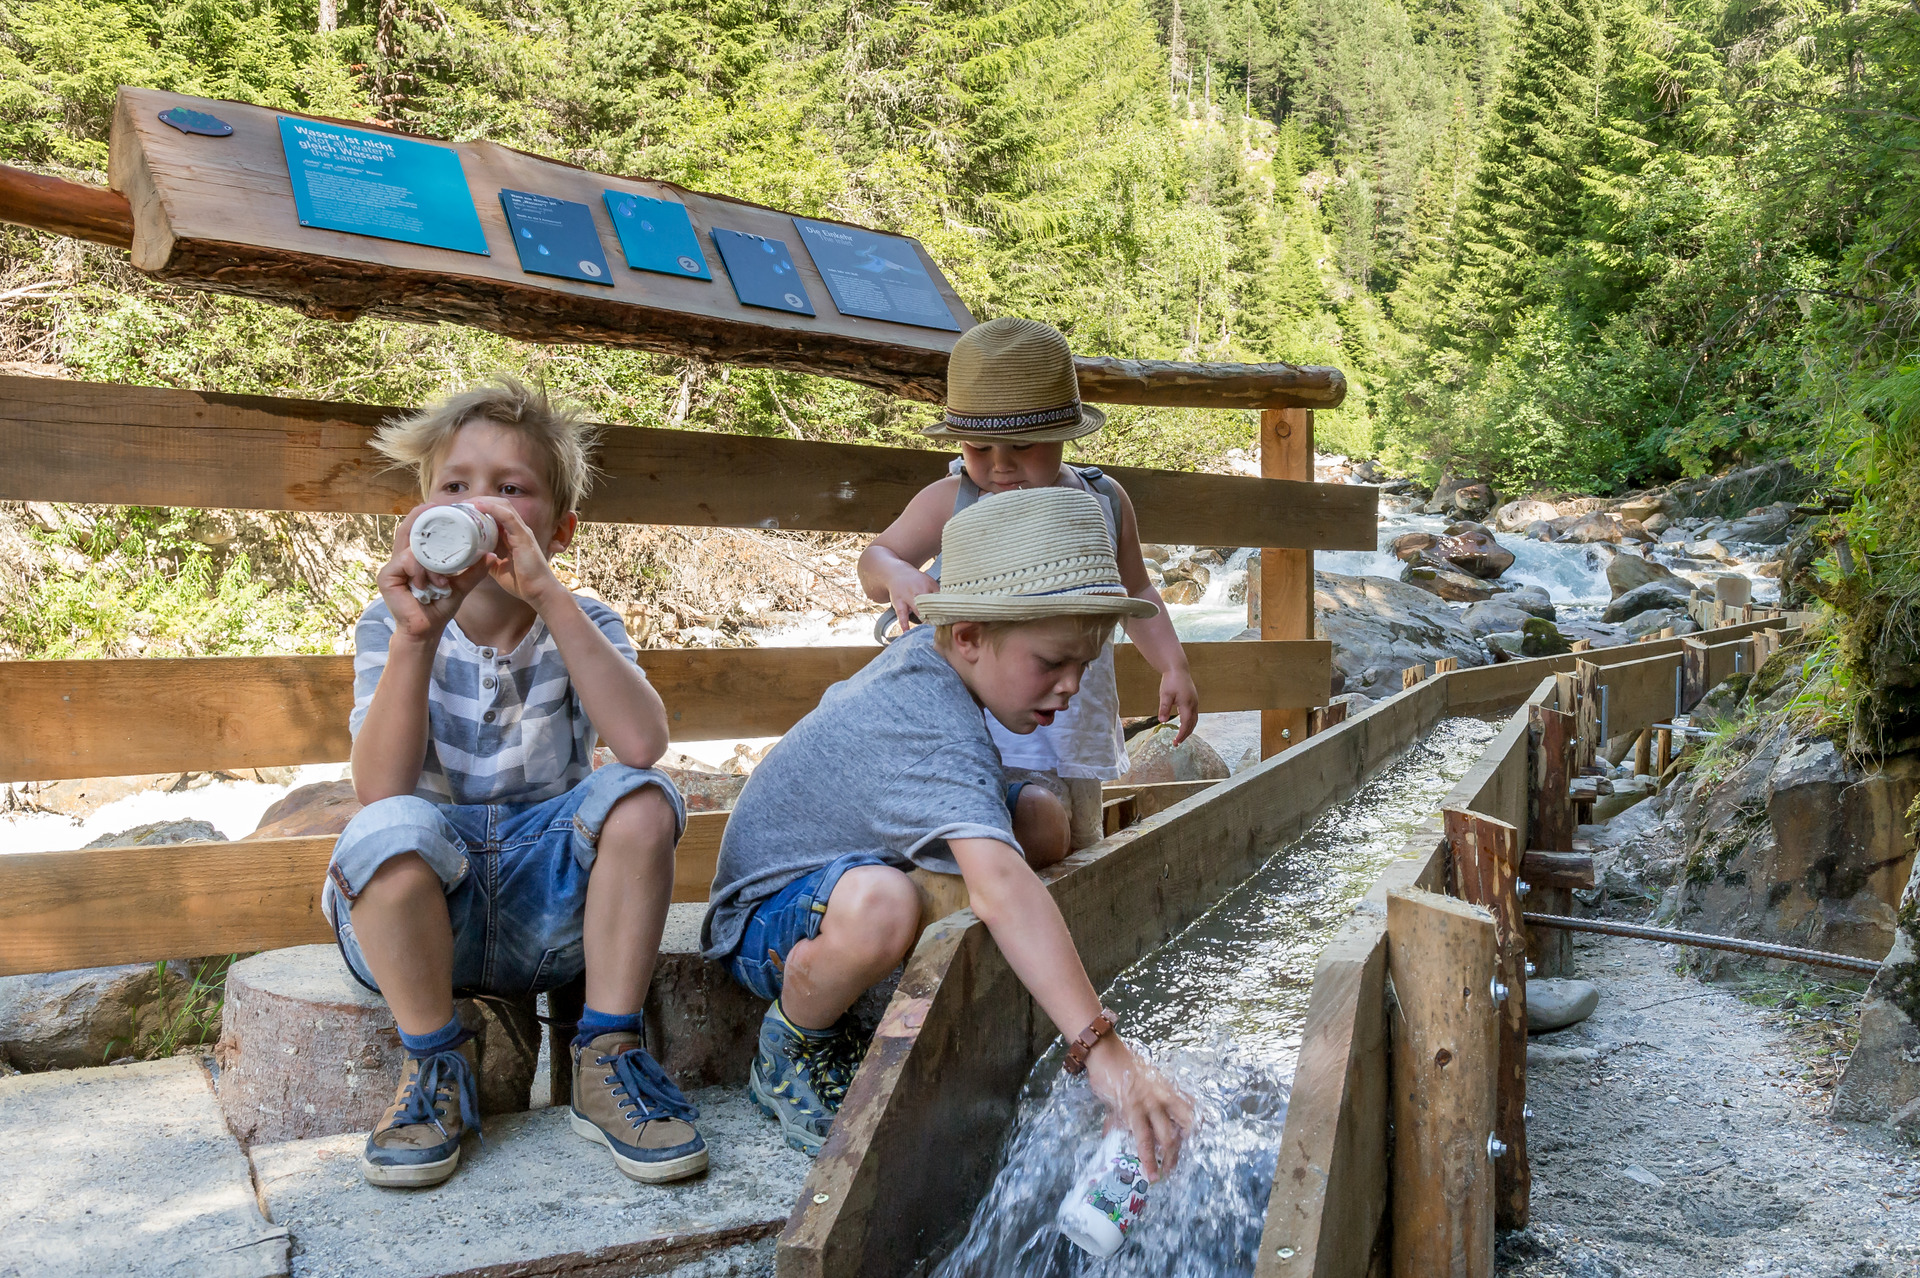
(128, 1169)
(533, 1198)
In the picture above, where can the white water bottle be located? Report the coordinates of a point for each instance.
(1106, 1199)
(451, 539)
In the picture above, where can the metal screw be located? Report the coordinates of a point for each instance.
(1530, 968)
(1496, 1148)
(821, 1198)
(1287, 733)
(1285, 1253)
(1522, 887)
(1526, 1111)
(1499, 991)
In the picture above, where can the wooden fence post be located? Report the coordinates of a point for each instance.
(1286, 576)
(1486, 865)
(1587, 740)
(1440, 954)
(1550, 829)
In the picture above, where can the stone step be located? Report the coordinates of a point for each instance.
(127, 1169)
(534, 1198)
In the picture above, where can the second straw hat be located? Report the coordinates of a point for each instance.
(1012, 381)
(1025, 555)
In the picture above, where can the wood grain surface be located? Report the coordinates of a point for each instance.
(146, 446)
(1286, 574)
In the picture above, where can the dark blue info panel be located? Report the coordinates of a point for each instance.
(762, 271)
(657, 235)
(380, 184)
(555, 237)
(875, 276)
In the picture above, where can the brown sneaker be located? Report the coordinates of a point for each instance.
(417, 1141)
(625, 1101)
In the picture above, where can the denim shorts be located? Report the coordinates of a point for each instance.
(515, 876)
(783, 920)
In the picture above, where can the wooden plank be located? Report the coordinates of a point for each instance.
(1328, 1208)
(1286, 575)
(946, 1071)
(122, 717)
(1635, 695)
(1440, 956)
(1320, 718)
(1556, 870)
(219, 215)
(1412, 675)
(1550, 827)
(1587, 715)
(1706, 665)
(94, 442)
(61, 910)
(1486, 863)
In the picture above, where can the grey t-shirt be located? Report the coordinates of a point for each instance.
(894, 761)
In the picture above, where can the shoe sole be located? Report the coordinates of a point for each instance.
(659, 1173)
(409, 1175)
(805, 1142)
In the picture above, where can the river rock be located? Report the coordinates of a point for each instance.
(1379, 627)
(324, 807)
(1538, 530)
(1472, 498)
(1556, 1003)
(1540, 638)
(1766, 526)
(1654, 594)
(1448, 583)
(88, 1016)
(1644, 506)
(1708, 548)
(1533, 600)
(1882, 1079)
(1628, 572)
(1472, 548)
(159, 833)
(1516, 515)
(1509, 642)
(1184, 591)
(1654, 620)
(1591, 527)
(1491, 616)
(1152, 758)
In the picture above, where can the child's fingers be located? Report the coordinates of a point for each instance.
(1140, 1127)
(1168, 1134)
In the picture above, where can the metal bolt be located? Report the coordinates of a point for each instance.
(1522, 887)
(1499, 991)
(1286, 733)
(1496, 1148)
(821, 1198)
(1530, 968)
(1285, 1253)
(1526, 1112)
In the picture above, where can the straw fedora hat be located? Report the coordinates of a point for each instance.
(1025, 555)
(1012, 381)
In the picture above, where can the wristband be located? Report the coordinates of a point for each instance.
(1078, 1050)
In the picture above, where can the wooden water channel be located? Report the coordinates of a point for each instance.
(960, 1033)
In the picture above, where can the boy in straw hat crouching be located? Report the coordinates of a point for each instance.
(1013, 401)
(894, 769)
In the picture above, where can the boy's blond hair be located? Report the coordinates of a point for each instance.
(1092, 631)
(419, 441)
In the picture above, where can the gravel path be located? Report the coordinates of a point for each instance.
(1681, 1131)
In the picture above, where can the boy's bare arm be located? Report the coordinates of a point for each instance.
(1009, 898)
(1154, 635)
(890, 567)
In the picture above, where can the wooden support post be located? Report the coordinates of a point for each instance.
(1693, 674)
(1587, 741)
(563, 1021)
(1581, 645)
(1320, 718)
(1446, 665)
(1643, 753)
(1446, 1049)
(1411, 675)
(1663, 756)
(1286, 576)
(1550, 826)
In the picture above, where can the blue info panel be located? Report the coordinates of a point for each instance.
(657, 235)
(875, 276)
(555, 237)
(380, 184)
(762, 271)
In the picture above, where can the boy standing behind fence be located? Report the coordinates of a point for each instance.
(1013, 400)
(491, 857)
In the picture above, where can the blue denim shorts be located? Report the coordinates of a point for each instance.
(783, 920)
(515, 876)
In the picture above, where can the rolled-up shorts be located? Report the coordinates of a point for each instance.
(783, 920)
(515, 875)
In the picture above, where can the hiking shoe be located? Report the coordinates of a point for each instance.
(416, 1143)
(800, 1077)
(625, 1101)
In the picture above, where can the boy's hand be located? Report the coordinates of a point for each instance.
(402, 575)
(519, 566)
(904, 585)
(1141, 1097)
(1179, 696)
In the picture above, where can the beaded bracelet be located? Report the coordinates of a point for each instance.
(1077, 1051)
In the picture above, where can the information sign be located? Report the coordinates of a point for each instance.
(875, 276)
(555, 237)
(762, 271)
(657, 235)
(380, 184)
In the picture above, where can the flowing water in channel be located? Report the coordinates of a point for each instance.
(1219, 1007)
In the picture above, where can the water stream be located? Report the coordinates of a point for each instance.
(1219, 1007)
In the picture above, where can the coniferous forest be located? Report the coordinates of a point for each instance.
(1576, 244)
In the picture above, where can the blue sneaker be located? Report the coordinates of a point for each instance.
(623, 1099)
(417, 1141)
(800, 1077)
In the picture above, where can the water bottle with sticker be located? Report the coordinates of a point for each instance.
(1107, 1198)
(449, 540)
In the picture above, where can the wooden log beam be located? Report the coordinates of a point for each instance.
(1440, 957)
(147, 446)
(1558, 870)
(123, 717)
(74, 209)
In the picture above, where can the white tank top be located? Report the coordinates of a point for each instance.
(1085, 739)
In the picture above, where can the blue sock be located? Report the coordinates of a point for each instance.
(593, 1024)
(444, 1039)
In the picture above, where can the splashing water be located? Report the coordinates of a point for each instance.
(1219, 1008)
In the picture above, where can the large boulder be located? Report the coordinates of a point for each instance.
(1654, 594)
(1540, 638)
(1654, 620)
(1379, 627)
(1629, 572)
(1449, 583)
(1473, 498)
(1590, 527)
(1152, 758)
(1882, 1079)
(1516, 515)
(1532, 600)
(1491, 616)
(1765, 526)
(158, 834)
(323, 807)
(1465, 547)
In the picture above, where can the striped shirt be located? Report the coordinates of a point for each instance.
(502, 727)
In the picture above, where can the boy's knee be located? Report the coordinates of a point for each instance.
(1042, 825)
(405, 875)
(877, 905)
(401, 829)
(643, 821)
